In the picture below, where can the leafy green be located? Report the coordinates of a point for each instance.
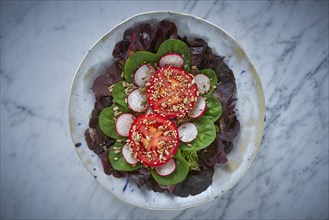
(120, 163)
(119, 95)
(176, 46)
(212, 77)
(137, 59)
(107, 120)
(191, 158)
(140, 57)
(206, 135)
(180, 173)
(213, 109)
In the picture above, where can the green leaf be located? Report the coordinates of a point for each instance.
(176, 46)
(134, 61)
(206, 135)
(212, 77)
(120, 163)
(213, 109)
(191, 158)
(106, 120)
(119, 95)
(180, 173)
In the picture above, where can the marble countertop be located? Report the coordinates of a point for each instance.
(42, 44)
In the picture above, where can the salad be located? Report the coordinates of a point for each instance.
(164, 111)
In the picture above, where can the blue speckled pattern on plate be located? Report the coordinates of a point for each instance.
(250, 108)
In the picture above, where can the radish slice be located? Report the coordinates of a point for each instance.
(203, 83)
(172, 59)
(123, 124)
(137, 101)
(128, 155)
(143, 74)
(199, 108)
(167, 168)
(187, 132)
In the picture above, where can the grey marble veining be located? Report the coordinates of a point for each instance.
(42, 44)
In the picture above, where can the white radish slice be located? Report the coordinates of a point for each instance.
(123, 124)
(172, 59)
(199, 108)
(128, 155)
(143, 74)
(167, 168)
(187, 132)
(203, 83)
(137, 101)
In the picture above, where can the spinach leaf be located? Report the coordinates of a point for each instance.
(107, 119)
(119, 95)
(213, 109)
(182, 169)
(137, 59)
(191, 158)
(212, 77)
(206, 135)
(117, 160)
(176, 46)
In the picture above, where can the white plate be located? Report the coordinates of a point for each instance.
(250, 108)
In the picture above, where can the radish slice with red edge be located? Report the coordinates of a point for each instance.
(143, 74)
(203, 83)
(199, 108)
(123, 124)
(128, 155)
(172, 59)
(167, 168)
(137, 101)
(187, 132)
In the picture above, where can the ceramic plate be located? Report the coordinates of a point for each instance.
(250, 109)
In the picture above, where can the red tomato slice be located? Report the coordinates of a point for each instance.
(172, 92)
(153, 139)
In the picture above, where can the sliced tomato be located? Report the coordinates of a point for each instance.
(153, 139)
(172, 92)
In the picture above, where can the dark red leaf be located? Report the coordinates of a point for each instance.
(114, 73)
(101, 84)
